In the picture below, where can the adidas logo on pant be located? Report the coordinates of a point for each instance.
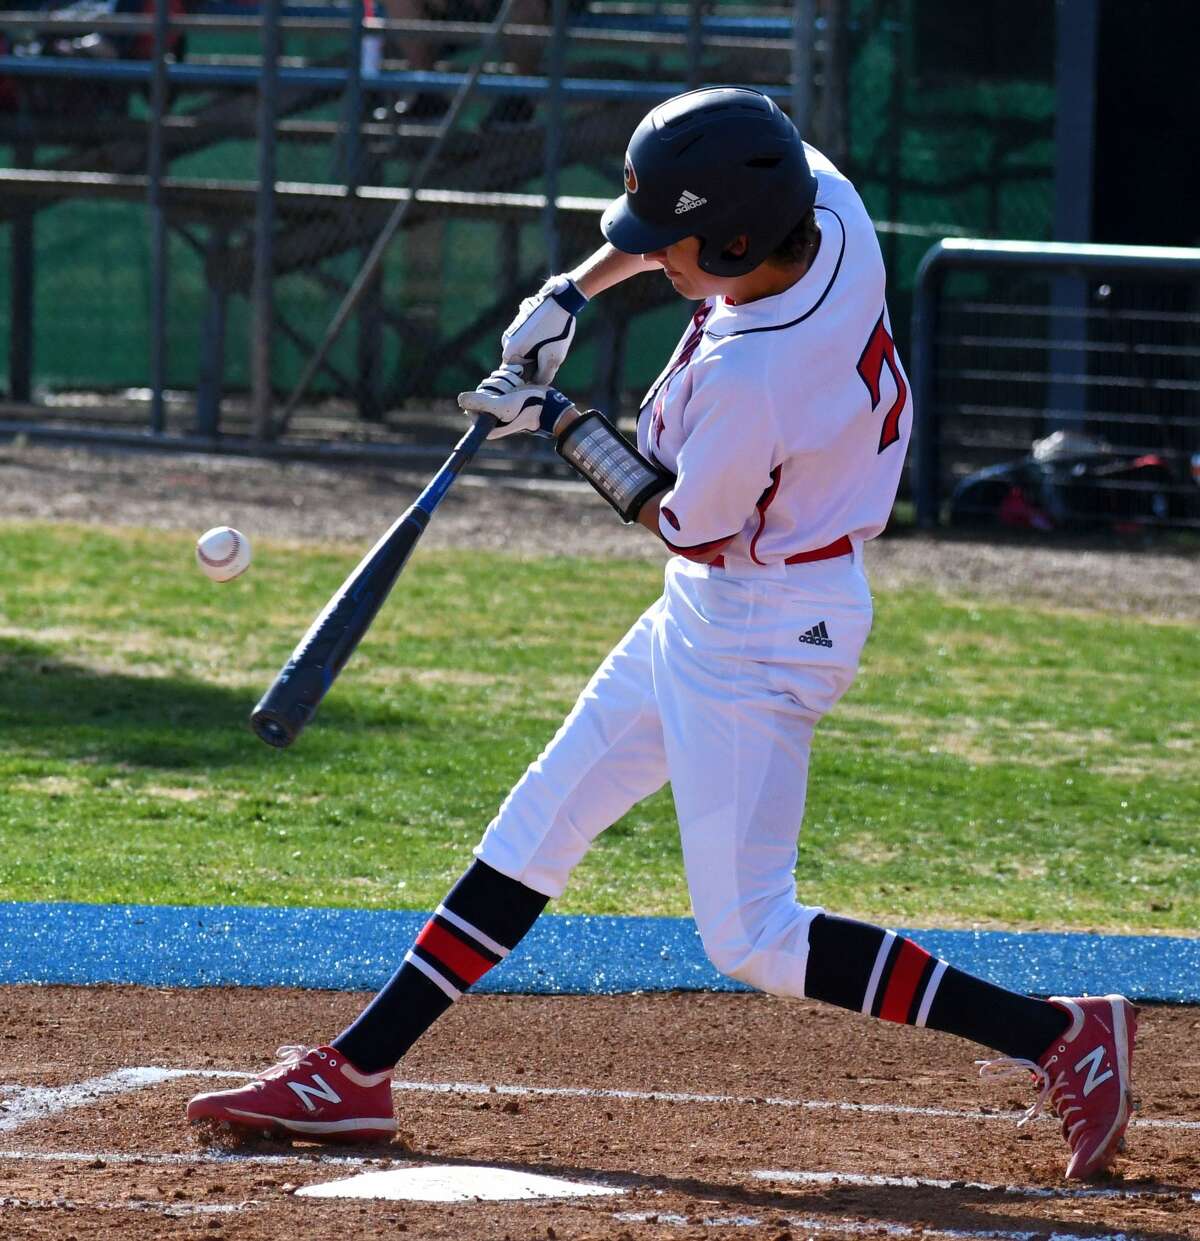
(818, 635)
(688, 202)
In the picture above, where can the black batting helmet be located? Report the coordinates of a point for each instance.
(712, 163)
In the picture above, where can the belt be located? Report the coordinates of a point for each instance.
(839, 547)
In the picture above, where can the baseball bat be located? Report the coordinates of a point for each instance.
(296, 693)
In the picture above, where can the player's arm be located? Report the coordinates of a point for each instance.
(607, 267)
(650, 516)
(541, 332)
(724, 469)
(634, 486)
(654, 483)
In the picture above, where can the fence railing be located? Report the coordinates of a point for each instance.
(1062, 380)
(269, 169)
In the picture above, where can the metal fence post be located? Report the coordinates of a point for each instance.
(554, 133)
(926, 457)
(1074, 135)
(803, 27)
(20, 339)
(353, 103)
(212, 335)
(158, 223)
(264, 225)
(695, 43)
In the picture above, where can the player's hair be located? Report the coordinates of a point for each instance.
(793, 247)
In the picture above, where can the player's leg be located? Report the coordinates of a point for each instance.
(606, 757)
(738, 724)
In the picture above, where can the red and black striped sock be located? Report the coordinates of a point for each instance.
(483, 918)
(870, 970)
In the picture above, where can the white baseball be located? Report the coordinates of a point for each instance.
(222, 553)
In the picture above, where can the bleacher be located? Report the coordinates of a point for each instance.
(338, 179)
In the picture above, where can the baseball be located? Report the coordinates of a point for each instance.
(222, 553)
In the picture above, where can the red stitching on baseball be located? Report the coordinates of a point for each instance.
(224, 560)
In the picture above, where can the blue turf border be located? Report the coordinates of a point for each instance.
(352, 949)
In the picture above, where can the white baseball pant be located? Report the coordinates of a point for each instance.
(713, 689)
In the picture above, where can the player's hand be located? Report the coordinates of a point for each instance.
(515, 404)
(541, 332)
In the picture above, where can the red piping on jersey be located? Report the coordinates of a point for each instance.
(700, 551)
(764, 503)
(686, 352)
(839, 547)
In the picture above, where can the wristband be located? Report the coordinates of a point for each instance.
(553, 407)
(570, 297)
(598, 451)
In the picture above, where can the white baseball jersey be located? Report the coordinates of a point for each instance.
(786, 420)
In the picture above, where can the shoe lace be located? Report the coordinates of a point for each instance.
(1051, 1091)
(287, 1057)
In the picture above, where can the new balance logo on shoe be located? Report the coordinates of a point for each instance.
(818, 635)
(1094, 1059)
(689, 202)
(320, 1089)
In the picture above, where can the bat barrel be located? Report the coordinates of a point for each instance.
(291, 702)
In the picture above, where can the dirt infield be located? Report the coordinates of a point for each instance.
(353, 503)
(782, 1082)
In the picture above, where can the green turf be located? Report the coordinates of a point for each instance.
(993, 763)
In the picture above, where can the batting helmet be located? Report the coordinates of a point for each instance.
(712, 163)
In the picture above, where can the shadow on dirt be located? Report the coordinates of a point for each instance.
(962, 1208)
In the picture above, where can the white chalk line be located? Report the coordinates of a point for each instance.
(811, 1105)
(101, 1158)
(927, 1182)
(137, 1078)
(23, 1104)
(174, 1210)
(821, 1226)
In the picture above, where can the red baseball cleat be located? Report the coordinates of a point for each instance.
(1085, 1076)
(312, 1093)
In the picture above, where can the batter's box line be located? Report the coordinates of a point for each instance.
(811, 1105)
(1072, 1192)
(37, 1102)
(820, 1226)
(171, 1210)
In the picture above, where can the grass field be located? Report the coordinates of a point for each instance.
(994, 763)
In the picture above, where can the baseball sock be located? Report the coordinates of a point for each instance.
(483, 918)
(878, 972)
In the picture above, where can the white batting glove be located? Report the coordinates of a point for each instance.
(541, 333)
(515, 404)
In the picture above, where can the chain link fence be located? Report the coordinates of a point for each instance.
(1059, 387)
(153, 281)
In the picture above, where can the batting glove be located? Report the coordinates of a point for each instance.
(541, 333)
(515, 404)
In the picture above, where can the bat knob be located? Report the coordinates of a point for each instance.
(284, 710)
(271, 731)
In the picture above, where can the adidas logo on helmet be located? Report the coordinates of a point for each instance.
(688, 202)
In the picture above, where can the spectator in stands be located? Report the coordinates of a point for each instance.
(508, 111)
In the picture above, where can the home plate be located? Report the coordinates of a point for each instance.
(451, 1183)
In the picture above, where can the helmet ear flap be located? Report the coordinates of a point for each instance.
(728, 257)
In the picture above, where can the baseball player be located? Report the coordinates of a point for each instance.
(768, 452)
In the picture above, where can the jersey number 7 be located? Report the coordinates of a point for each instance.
(882, 349)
